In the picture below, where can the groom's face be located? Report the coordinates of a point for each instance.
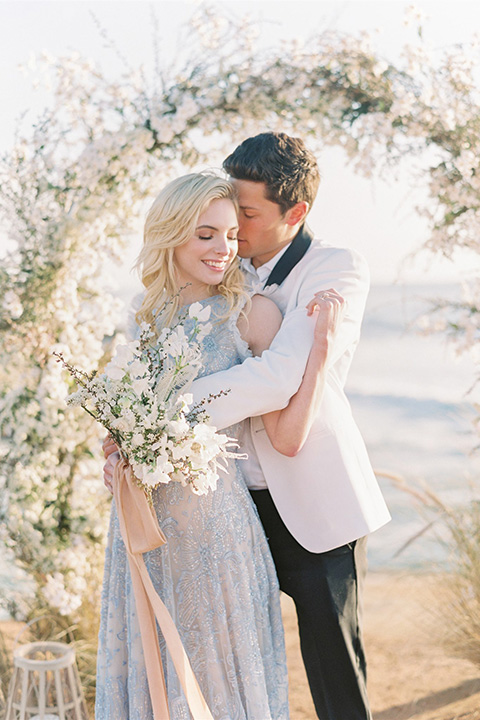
(263, 229)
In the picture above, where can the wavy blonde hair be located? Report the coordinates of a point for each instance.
(171, 222)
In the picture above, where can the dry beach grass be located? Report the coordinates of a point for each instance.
(411, 675)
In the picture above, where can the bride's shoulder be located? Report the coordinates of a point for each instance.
(264, 307)
(260, 324)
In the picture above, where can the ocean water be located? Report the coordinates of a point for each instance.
(409, 395)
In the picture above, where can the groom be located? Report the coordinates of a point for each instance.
(318, 506)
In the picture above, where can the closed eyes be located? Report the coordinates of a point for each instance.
(210, 237)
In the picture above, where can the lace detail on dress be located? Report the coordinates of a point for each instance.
(217, 578)
(240, 344)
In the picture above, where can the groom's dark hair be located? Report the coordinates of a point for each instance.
(286, 166)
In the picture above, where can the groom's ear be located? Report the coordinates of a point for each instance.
(297, 214)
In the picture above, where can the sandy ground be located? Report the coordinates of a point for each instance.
(410, 674)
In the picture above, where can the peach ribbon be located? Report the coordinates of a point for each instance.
(141, 533)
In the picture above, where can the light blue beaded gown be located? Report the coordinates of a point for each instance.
(217, 579)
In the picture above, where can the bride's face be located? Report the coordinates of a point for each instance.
(204, 259)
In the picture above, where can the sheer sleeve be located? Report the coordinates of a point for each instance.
(241, 344)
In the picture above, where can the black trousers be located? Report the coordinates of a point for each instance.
(326, 588)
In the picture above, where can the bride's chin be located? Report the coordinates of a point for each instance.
(217, 279)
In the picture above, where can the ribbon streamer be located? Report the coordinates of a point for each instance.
(141, 533)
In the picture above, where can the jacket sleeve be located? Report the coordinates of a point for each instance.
(266, 383)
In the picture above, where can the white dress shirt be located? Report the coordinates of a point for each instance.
(251, 469)
(261, 273)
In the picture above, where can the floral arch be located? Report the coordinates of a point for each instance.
(72, 189)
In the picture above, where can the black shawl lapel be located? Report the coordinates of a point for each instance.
(297, 249)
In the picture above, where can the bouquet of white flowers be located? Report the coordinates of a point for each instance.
(140, 400)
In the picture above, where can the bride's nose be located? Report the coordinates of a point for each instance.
(222, 245)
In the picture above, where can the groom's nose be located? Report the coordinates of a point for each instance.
(241, 226)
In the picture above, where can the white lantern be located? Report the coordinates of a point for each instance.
(45, 684)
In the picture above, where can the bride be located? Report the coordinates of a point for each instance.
(215, 574)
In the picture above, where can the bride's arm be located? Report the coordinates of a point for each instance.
(288, 429)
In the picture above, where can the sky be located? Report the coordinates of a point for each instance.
(375, 216)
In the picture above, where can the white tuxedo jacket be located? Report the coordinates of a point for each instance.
(327, 495)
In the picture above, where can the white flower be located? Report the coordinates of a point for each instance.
(178, 428)
(58, 596)
(117, 366)
(184, 401)
(125, 423)
(200, 313)
(203, 446)
(78, 398)
(137, 439)
(203, 331)
(163, 128)
(137, 369)
(179, 476)
(113, 371)
(141, 385)
(204, 481)
(163, 464)
(152, 476)
(176, 344)
(146, 330)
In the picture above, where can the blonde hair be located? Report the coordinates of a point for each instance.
(171, 222)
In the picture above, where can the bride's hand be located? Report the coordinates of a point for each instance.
(108, 470)
(109, 446)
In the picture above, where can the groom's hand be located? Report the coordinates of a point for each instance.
(329, 296)
(330, 306)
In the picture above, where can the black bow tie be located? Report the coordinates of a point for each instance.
(297, 249)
